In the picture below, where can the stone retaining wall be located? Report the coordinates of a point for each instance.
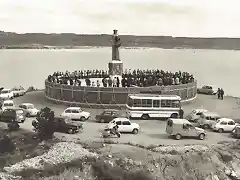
(109, 97)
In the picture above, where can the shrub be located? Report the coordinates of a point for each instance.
(45, 124)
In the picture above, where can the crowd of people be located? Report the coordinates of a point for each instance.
(130, 78)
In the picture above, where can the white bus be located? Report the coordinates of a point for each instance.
(148, 106)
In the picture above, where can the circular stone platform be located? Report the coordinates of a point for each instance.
(110, 97)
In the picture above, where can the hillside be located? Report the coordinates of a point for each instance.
(9, 40)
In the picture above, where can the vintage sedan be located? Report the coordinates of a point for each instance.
(207, 89)
(12, 114)
(31, 111)
(125, 125)
(108, 115)
(66, 125)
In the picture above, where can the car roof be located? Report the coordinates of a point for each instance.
(27, 104)
(199, 109)
(121, 119)
(112, 110)
(208, 113)
(179, 121)
(73, 108)
(226, 119)
(8, 101)
(6, 89)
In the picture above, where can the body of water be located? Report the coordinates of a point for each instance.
(31, 67)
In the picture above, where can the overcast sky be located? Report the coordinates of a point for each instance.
(202, 18)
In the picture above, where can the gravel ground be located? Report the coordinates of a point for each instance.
(59, 153)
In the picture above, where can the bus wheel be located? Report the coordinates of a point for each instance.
(174, 115)
(145, 116)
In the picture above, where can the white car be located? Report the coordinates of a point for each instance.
(6, 94)
(125, 125)
(195, 114)
(208, 89)
(224, 125)
(18, 91)
(76, 113)
(31, 111)
(7, 104)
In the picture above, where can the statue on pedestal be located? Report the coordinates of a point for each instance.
(116, 43)
(116, 65)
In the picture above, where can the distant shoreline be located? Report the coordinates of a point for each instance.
(10, 40)
(29, 47)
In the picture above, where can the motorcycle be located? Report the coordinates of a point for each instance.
(35, 125)
(13, 126)
(110, 133)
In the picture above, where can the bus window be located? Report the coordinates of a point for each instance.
(156, 103)
(137, 103)
(175, 104)
(169, 103)
(130, 102)
(166, 103)
(146, 102)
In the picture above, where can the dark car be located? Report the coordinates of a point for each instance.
(236, 132)
(108, 115)
(17, 115)
(66, 125)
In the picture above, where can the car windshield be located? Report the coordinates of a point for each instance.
(67, 120)
(8, 104)
(19, 111)
(4, 92)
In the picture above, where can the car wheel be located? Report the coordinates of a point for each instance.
(102, 121)
(145, 116)
(202, 136)
(174, 115)
(70, 131)
(83, 118)
(205, 126)
(220, 130)
(27, 115)
(135, 131)
(178, 136)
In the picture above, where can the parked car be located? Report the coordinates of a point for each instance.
(66, 125)
(208, 89)
(76, 113)
(179, 128)
(224, 125)
(195, 114)
(13, 114)
(125, 125)
(31, 111)
(207, 119)
(108, 115)
(236, 132)
(18, 91)
(6, 94)
(7, 104)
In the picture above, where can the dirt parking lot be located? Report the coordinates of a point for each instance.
(152, 131)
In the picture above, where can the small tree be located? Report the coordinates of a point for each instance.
(45, 123)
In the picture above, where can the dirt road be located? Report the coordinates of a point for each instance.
(152, 132)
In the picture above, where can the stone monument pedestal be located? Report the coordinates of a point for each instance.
(115, 69)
